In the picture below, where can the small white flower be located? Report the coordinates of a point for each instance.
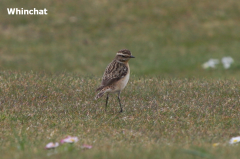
(234, 140)
(69, 139)
(211, 63)
(86, 146)
(51, 145)
(227, 61)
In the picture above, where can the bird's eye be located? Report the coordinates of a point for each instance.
(123, 56)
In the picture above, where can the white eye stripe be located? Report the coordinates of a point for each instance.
(120, 54)
(124, 55)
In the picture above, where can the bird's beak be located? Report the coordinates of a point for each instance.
(132, 56)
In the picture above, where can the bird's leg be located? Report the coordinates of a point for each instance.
(106, 102)
(120, 102)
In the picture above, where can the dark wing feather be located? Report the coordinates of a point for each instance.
(114, 72)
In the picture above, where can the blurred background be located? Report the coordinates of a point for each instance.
(169, 38)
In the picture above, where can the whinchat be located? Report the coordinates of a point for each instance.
(116, 76)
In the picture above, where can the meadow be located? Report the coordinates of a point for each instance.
(51, 65)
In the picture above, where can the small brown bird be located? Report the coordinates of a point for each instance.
(116, 76)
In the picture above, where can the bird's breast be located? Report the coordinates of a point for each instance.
(123, 81)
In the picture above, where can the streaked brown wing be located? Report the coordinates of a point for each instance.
(113, 73)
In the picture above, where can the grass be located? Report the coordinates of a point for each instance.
(163, 118)
(173, 108)
(169, 38)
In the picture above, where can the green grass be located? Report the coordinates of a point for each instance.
(173, 108)
(162, 118)
(169, 38)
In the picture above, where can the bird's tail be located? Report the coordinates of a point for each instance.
(99, 88)
(99, 95)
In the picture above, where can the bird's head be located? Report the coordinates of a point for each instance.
(123, 55)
